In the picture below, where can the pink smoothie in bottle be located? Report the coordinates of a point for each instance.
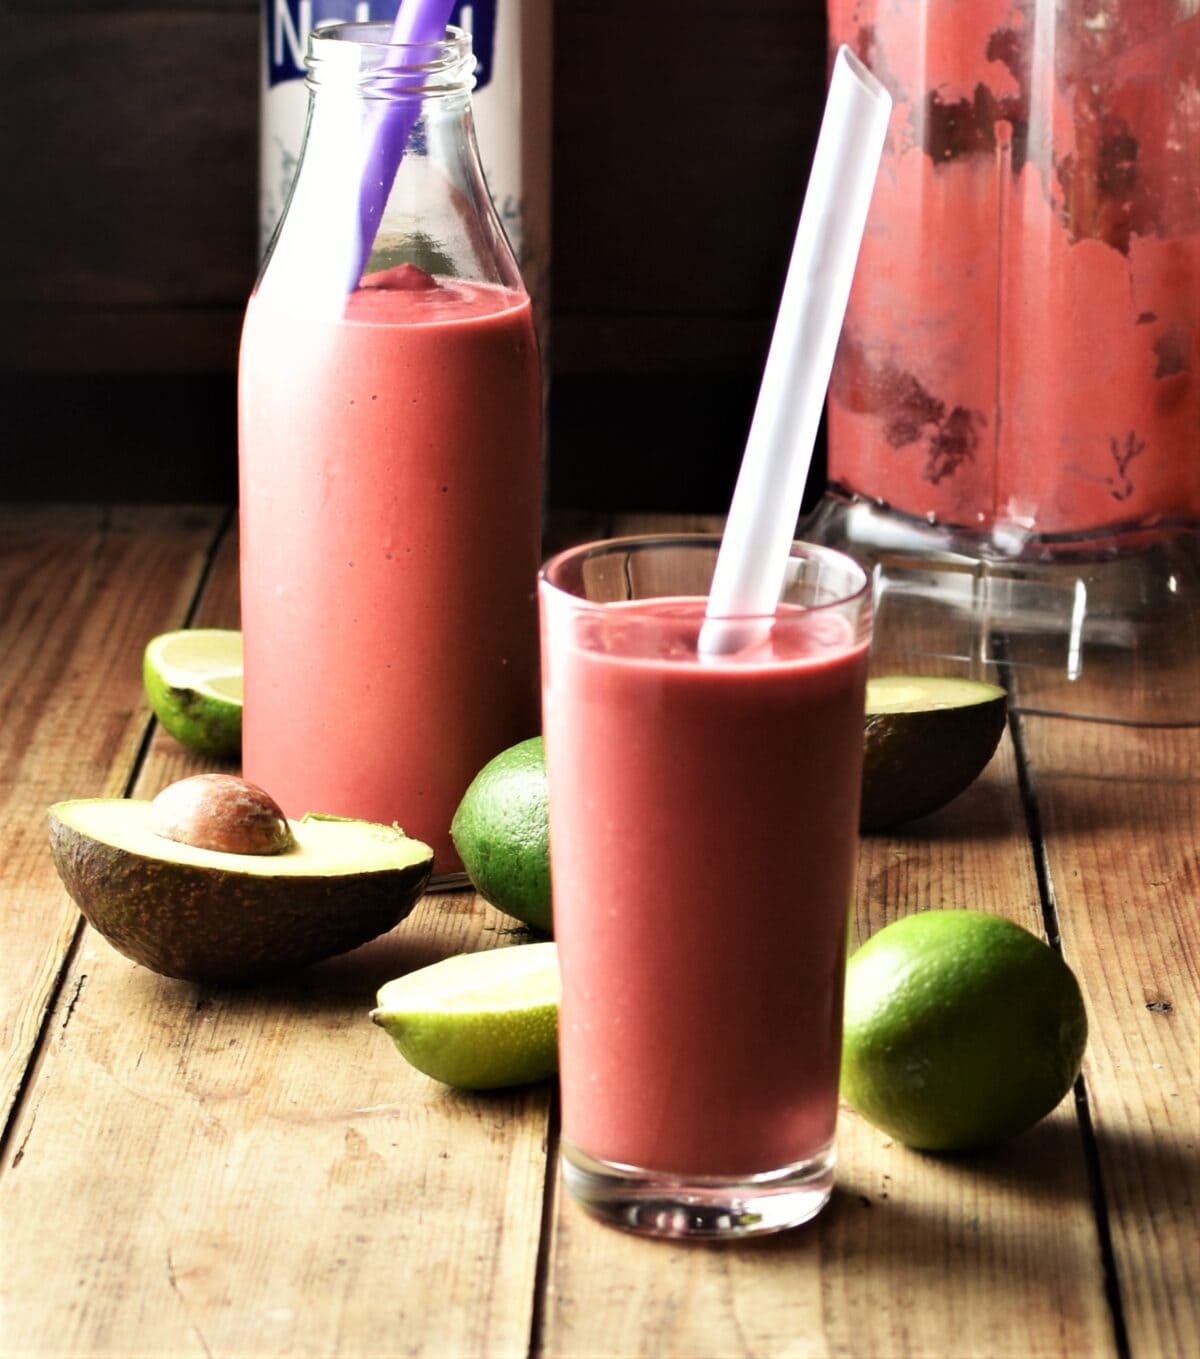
(703, 836)
(390, 520)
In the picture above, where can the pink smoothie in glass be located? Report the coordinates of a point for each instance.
(703, 838)
(390, 520)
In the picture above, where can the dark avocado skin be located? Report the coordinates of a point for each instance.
(211, 926)
(916, 762)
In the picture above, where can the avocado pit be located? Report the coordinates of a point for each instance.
(223, 813)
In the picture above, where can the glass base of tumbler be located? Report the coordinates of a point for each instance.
(1107, 629)
(700, 1207)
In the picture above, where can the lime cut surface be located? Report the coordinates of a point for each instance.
(478, 1021)
(193, 679)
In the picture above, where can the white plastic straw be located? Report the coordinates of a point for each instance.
(752, 563)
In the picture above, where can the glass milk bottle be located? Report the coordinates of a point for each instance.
(511, 40)
(1016, 403)
(390, 449)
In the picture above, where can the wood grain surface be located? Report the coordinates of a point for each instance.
(201, 1172)
(81, 592)
(259, 1172)
(1119, 810)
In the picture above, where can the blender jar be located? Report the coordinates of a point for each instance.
(1014, 416)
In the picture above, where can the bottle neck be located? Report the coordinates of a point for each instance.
(359, 60)
(389, 172)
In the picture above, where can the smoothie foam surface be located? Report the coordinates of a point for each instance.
(405, 295)
(634, 631)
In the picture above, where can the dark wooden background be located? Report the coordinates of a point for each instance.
(128, 137)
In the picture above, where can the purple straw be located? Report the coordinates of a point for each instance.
(417, 21)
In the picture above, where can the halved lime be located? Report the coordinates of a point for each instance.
(193, 679)
(478, 1021)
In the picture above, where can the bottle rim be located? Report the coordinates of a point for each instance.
(360, 57)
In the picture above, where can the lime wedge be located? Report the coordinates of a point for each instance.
(478, 1021)
(193, 680)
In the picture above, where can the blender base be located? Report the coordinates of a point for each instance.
(1099, 633)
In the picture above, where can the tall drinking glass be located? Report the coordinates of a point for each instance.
(703, 831)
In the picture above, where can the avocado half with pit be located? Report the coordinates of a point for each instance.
(927, 739)
(216, 917)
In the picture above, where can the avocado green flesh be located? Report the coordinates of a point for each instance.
(324, 846)
(225, 918)
(926, 693)
(927, 739)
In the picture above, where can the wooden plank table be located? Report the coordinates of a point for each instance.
(188, 1171)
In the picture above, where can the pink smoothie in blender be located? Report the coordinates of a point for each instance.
(1017, 391)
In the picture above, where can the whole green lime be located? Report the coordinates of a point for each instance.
(961, 1030)
(502, 833)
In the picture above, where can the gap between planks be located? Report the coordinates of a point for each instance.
(1083, 1113)
(14, 1115)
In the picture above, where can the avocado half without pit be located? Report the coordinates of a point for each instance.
(927, 739)
(212, 883)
